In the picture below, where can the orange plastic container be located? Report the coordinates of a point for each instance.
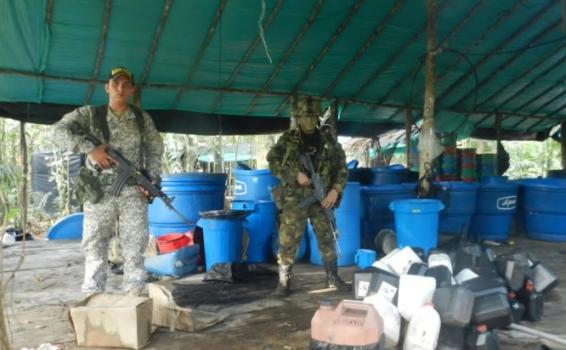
(173, 241)
(351, 324)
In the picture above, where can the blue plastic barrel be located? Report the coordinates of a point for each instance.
(301, 250)
(393, 174)
(362, 175)
(177, 264)
(222, 238)
(459, 199)
(520, 211)
(192, 193)
(556, 174)
(253, 185)
(348, 225)
(496, 203)
(70, 227)
(375, 209)
(416, 222)
(494, 179)
(260, 226)
(544, 209)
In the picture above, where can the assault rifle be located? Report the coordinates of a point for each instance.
(127, 170)
(318, 195)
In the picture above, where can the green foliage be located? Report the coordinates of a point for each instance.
(67, 200)
(10, 179)
(532, 158)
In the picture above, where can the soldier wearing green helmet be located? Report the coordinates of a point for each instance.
(329, 162)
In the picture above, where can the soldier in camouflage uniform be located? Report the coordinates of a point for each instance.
(140, 142)
(329, 161)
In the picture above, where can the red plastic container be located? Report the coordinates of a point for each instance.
(173, 241)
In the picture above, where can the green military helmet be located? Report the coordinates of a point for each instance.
(307, 112)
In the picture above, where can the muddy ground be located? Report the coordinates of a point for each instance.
(49, 279)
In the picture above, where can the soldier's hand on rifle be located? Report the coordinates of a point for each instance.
(303, 179)
(330, 199)
(146, 192)
(101, 157)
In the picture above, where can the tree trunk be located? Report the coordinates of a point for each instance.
(333, 120)
(408, 127)
(425, 156)
(23, 190)
(563, 143)
(293, 121)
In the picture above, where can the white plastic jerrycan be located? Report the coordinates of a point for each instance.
(414, 292)
(423, 330)
(391, 318)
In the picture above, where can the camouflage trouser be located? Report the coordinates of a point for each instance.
(130, 211)
(293, 222)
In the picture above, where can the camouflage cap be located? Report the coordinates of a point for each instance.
(121, 71)
(307, 106)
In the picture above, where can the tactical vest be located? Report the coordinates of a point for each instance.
(99, 121)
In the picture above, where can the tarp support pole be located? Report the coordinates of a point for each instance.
(563, 143)
(408, 126)
(425, 156)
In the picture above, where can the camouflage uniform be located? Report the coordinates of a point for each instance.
(127, 212)
(329, 162)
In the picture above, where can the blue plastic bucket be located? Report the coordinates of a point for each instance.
(260, 226)
(301, 251)
(544, 209)
(192, 193)
(253, 185)
(496, 204)
(375, 209)
(348, 225)
(416, 222)
(365, 258)
(459, 199)
(222, 239)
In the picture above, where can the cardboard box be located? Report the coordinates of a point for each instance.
(110, 320)
(166, 312)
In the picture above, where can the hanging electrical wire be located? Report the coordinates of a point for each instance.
(261, 31)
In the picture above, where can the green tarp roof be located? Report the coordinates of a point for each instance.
(203, 68)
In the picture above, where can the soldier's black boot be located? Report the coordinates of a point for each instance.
(284, 286)
(334, 281)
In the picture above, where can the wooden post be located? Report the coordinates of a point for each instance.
(498, 119)
(425, 155)
(408, 129)
(563, 143)
(23, 195)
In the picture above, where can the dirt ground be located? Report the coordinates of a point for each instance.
(49, 281)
